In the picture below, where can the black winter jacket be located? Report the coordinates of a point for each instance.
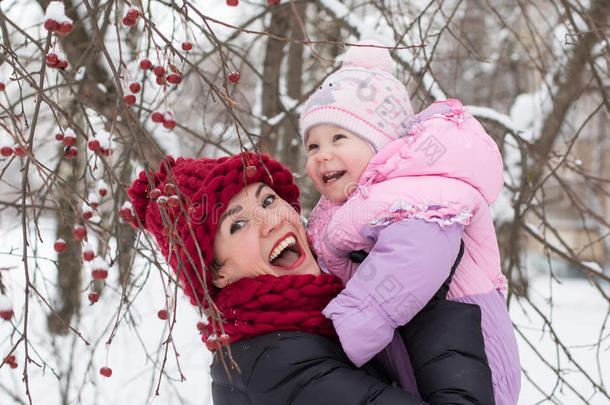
(298, 368)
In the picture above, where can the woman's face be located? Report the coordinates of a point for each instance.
(258, 234)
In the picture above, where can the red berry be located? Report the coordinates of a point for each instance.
(200, 326)
(154, 194)
(187, 46)
(174, 78)
(87, 215)
(128, 22)
(162, 201)
(6, 314)
(129, 99)
(13, 365)
(162, 314)
(2, 86)
(169, 123)
(102, 191)
(273, 2)
(106, 371)
(159, 71)
(157, 117)
(62, 64)
(64, 28)
(69, 140)
(52, 58)
(93, 298)
(79, 232)
(234, 77)
(232, 3)
(125, 214)
(145, 64)
(10, 359)
(224, 339)
(99, 274)
(135, 87)
(70, 152)
(50, 25)
(160, 80)
(88, 255)
(60, 245)
(170, 189)
(6, 151)
(94, 145)
(251, 171)
(106, 152)
(59, 136)
(19, 150)
(133, 14)
(173, 201)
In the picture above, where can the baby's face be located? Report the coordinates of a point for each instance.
(335, 160)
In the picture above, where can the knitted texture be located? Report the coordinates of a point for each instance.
(253, 306)
(185, 233)
(362, 97)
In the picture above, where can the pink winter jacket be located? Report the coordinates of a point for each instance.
(446, 171)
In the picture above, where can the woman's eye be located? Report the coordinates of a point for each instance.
(237, 225)
(268, 200)
(311, 147)
(338, 136)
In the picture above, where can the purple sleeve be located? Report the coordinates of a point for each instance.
(409, 262)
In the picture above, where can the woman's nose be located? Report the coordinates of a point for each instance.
(269, 220)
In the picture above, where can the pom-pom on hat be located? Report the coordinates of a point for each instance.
(362, 97)
(185, 228)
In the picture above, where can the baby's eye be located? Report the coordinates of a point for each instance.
(237, 225)
(338, 136)
(268, 200)
(311, 147)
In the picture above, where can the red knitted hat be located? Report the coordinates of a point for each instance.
(187, 222)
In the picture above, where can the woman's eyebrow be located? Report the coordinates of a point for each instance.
(229, 212)
(259, 188)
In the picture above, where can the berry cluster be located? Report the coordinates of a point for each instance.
(167, 119)
(126, 213)
(57, 60)
(131, 17)
(68, 139)
(11, 361)
(168, 198)
(102, 143)
(17, 150)
(56, 20)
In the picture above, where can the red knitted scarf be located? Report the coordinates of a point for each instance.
(253, 306)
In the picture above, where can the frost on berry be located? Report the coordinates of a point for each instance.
(101, 187)
(69, 137)
(99, 269)
(79, 232)
(126, 213)
(56, 19)
(234, 77)
(106, 144)
(168, 121)
(6, 310)
(87, 211)
(60, 245)
(88, 253)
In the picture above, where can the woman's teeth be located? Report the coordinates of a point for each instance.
(289, 241)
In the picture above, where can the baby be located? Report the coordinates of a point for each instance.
(401, 194)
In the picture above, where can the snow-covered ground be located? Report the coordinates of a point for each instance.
(137, 349)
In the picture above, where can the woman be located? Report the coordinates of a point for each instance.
(237, 218)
